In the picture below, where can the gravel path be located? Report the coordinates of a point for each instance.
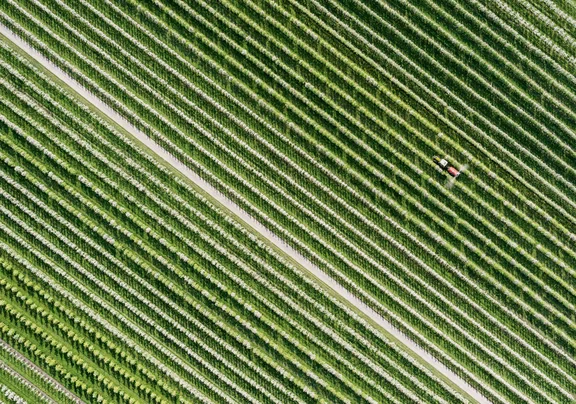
(215, 194)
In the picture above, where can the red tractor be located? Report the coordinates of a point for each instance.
(445, 165)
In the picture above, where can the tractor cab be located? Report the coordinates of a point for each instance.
(446, 166)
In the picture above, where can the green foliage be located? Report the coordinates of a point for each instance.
(319, 120)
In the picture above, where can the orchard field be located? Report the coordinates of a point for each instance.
(122, 281)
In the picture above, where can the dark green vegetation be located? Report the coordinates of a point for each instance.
(125, 284)
(320, 119)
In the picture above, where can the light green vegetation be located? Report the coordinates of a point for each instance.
(320, 119)
(123, 283)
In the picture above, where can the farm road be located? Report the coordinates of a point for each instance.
(236, 210)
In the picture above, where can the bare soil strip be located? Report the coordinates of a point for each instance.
(5, 346)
